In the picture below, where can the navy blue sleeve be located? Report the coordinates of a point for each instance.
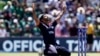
(54, 23)
(40, 26)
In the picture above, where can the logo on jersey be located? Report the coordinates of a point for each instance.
(51, 32)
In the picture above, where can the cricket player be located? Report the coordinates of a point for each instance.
(48, 31)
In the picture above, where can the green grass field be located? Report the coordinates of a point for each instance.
(19, 54)
(37, 54)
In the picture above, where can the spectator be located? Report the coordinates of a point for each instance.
(37, 31)
(77, 12)
(28, 31)
(69, 4)
(38, 10)
(8, 7)
(20, 11)
(46, 9)
(81, 14)
(28, 12)
(58, 30)
(53, 3)
(3, 32)
(65, 29)
(73, 31)
(15, 27)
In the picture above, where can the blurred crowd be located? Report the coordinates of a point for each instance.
(16, 17)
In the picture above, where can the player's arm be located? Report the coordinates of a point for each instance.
(57, 19)
(61, 14)
(37, 21)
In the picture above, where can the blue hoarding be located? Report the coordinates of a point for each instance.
(36, 44)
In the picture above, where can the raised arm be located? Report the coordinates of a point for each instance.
(61, 14)
(37, 21)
